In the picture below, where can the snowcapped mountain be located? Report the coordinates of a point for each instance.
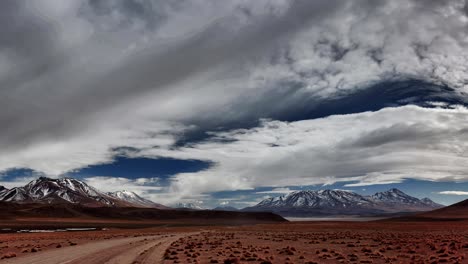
(322, 198)
(136, 200)
(64, 190)
(339, 202)
(395, 196)
(398, 199)
(191, 206)
(431, 203)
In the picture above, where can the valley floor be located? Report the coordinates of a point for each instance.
(294, 242)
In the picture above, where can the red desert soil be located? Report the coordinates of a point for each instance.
(326, 242)
(109, 246)
(297, 242)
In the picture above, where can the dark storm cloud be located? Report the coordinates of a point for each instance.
(46, 104)
(29, 41)
(103, 13)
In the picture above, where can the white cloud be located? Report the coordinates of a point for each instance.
(115, 95)
(369, 148)
(454, 193)
(112, 184)
(374, 178)
(380, 147)
(277, 191)
(92, 146)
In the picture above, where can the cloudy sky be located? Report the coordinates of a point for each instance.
(228, 102)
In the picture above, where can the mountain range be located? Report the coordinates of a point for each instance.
(300, 203)
(188, 206)
(68, 198)
(68, 190)
(340, 202)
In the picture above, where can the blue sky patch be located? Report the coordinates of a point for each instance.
(12, 174)
(134, 168)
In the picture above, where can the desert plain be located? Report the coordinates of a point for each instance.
(383, 241)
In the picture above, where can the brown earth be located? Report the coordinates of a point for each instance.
(294, 242)
(114, 246)
(327, 242)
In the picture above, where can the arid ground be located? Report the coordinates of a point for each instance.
(293, 242)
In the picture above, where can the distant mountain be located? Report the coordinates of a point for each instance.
(225, 208)
(136, 200)
(191, 206)
(457, 211)
(431, 203)
(66, 190)
(339, 202)
(397, 200)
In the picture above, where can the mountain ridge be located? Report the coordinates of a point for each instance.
(135, 199)
(45, 190)
(340, 202)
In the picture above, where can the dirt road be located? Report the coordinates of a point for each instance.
(135, 250)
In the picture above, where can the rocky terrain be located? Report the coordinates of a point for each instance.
(331, 242)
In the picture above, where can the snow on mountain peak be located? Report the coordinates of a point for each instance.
(342, 202)
(318, 198)
(429, 202)
(189, 206)
(69, 190)
(395, 196)
(135, 199)
(125, 194)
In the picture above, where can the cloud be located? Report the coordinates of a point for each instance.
(453, 193)
(112, 184)
(109, 67)
(81, 78)
(374, 178)
(153, 61)
(276, 191)
(360, 147)
(55, 157)
(365, 148)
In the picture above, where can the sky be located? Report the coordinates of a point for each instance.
(229, 102)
